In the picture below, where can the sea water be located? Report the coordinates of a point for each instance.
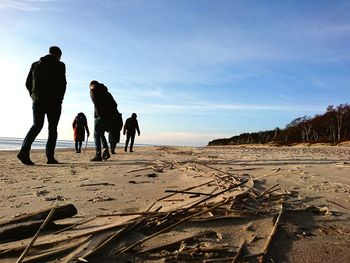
(9, 143)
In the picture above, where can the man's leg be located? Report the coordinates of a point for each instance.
(105, 155)
(132, 141)
(76, 147)
(127, 141)
(112, 140)
(97, 138)
(53, 117)
(38, 122)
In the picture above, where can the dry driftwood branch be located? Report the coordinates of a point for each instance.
(239, 252)
(274, 229)
(218, 260)
(218, 170)
(74, 225)
(53, 252)
(19, 230)
(217, 183)
(338, 204)
(186, 192)
(170, 195)
(110, 239)
(174, 200)
(140, 169)
(97, 184)
(177, 212)
(20, 259)
(97, 246)
(127, 214)
(169, 227)
(214, 195)
(267, 191)
(64, 211)
(213, 218)
(226, 177)
(48, 241)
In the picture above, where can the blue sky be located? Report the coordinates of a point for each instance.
(193, 70)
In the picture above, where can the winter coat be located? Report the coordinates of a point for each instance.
(79, 127)
(46, 81)
(105, 105)
(131, 126)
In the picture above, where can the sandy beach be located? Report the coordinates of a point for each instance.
(312, 183)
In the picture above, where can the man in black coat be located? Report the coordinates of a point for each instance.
(105, 112)
(130, 127)
(46, 83)
(114, 131)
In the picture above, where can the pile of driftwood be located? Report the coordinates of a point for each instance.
(152, 235)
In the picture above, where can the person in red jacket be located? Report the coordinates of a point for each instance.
(79, 126)
(130, 127)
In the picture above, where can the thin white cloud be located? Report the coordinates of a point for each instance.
(212, 106)
(180, 138)
(27, 6)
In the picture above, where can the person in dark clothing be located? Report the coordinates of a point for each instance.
(79, 127)
(46, 83)
(114, 132)
(130, 127)
(105, 112)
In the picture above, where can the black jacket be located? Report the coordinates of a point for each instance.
(46, 81)
(105, 105)
(131, 126)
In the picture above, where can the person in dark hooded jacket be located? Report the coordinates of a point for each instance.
(130, 127)
(46, 83)
(105, 113)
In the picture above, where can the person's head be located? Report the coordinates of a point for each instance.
(93, 84)
(56, 51)
(134, 116)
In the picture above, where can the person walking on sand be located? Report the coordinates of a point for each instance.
(105, 110)
(114, 132)
(130, 127)
(79, 127)
(46, 83)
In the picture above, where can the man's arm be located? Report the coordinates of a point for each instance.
(29, 81)
(137, 128)
(62, 80)
(87, 128)
(125, 126)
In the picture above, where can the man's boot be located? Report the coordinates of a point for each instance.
(52, 160)
(24, 158)
(97, 158)
(106, 155)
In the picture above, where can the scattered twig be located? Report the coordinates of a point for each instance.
(20, 259)
(267, 191)
(74, 225)
(239, 252)
(186, 192)
(170, 227)
(274, 229)
(338, 204)
(97, 184)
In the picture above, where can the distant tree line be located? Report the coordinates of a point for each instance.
(330, 127)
